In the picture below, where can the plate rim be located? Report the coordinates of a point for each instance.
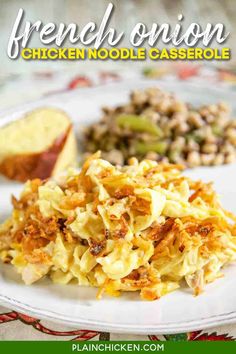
(168, 328)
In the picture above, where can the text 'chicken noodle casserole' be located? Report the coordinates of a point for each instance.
(142, 227)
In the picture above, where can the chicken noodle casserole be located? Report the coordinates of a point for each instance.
(143, 227)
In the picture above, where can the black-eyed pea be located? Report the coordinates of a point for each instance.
(145, 137)
(138, 97)
(107, 110)
(151, 155)
(100, 130)
(115, 157)
(193, 145)
(213, 108)
(178, 106)
(210, 118)
(209, 148)
(154, 102)
(203, 111)
(211, 139)
(172, 123)
(227, 148)
(223, 106)
(232, 123)
(164, 106)
(180, 140)
(231, 134)
(165, 159)
(195, 119)
(193, 159)
(180, 116)
(155, 117)
(178, 143)
(182, 128)
(222, 121)
(208, 135)
(207, 131)
(129, 109)
(153, 92)
(207, 159)
(229, 158)
(218, 159)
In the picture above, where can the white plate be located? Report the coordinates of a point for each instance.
(76, 306)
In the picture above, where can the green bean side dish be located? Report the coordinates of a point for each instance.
(157, 125)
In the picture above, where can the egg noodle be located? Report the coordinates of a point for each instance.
(142, 227)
